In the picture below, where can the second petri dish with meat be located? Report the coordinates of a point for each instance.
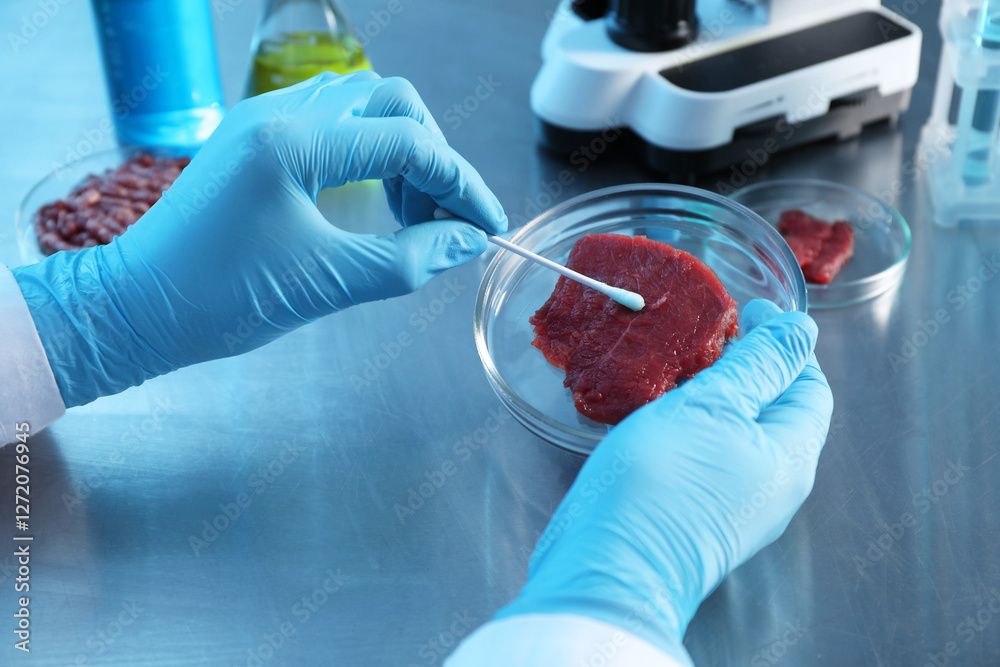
(880, 244)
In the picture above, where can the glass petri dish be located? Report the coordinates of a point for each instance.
(749, 256)
(61, 182)
(881, 235)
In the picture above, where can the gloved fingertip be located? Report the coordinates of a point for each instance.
(756, 312)
(445, 243)
(471, 239)
(405, 260)
(804, 321)
(495, 218)
(793, 332)
(496, 226)
(501, 224)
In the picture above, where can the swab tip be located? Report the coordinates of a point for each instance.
(630, 300)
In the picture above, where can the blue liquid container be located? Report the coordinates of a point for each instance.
(984, 124)
(161, 70)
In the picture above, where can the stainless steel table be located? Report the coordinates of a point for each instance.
(143, 555)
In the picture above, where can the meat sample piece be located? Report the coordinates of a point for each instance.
(617, 360)
(102, 206)
(821, 248)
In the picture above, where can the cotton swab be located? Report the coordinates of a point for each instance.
(626, 298)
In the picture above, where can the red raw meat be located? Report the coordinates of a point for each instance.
(836, 252)
(821, 248)
(804, 234)
(617, 360)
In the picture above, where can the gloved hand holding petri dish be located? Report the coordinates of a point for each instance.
(653, 521)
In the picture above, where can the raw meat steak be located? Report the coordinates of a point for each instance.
(617, 360)
(821, 248)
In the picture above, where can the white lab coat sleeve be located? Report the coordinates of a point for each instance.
(28, 389)
(558, 640)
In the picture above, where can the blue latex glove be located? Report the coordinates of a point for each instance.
(688, 487)
(235, 254)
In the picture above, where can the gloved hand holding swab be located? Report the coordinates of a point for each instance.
(631, 300)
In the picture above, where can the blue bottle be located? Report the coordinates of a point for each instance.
(161, 70)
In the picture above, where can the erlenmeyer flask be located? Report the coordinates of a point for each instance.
(297, 39)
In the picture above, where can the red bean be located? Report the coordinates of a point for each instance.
(89, 197)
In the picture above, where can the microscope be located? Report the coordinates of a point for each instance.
(696, 90)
